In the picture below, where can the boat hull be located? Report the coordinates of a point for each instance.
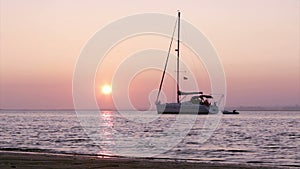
(179, 108)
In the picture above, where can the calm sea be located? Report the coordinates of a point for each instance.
(270, 138)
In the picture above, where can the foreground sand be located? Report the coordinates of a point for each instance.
(43, 161)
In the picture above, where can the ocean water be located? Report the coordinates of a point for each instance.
(270, 138)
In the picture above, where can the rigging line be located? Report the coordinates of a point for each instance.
(164, 72)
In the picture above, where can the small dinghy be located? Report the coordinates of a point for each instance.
(230, 112)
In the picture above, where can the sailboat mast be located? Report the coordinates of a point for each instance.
(178, 44)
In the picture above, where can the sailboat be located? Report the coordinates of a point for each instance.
(198, 104)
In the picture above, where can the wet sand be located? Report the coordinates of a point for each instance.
(55, 161)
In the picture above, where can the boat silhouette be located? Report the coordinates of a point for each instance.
(199, 103)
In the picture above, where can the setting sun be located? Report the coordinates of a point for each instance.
(106, 89)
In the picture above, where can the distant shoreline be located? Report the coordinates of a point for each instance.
(230, 108)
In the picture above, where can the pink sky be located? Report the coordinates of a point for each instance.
(258, 42)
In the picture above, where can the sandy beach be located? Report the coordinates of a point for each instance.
(26, 160)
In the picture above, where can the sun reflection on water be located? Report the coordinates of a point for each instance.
(106, 133)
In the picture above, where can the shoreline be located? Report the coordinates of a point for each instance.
(26, 160)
